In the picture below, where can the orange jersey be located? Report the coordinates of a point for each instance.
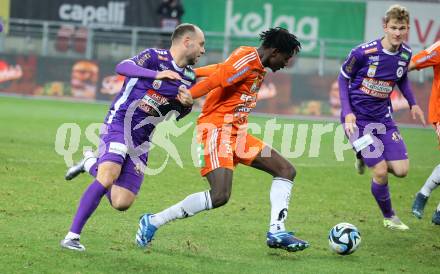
(232, 86)
(426, 58)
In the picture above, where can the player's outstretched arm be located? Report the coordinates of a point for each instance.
(130, 69)
(405, 88)
(206, 71)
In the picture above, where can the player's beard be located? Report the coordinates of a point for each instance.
(192, 61)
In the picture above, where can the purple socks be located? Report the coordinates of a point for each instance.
(383, 198)
(87, 205)
(94, 171)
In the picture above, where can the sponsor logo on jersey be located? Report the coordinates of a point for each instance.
(372, 50)
(396, 137)
(143, 58)
(157, 84)
(377, 88)
(404, 55)
(256, 85)
(374, 58)
(238, 74)
(402, 63)
(163, 67)
(186, 82)
(371, 71)
(190, 74)
(243, 109)
(427, 57)
(399, 72)
(151, 102)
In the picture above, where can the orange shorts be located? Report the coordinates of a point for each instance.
(218, 148)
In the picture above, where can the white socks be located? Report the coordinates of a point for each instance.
(279, 200)
(188, 207)
(90, 160)
(432, 182)
(72, 235)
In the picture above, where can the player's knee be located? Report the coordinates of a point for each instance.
(219, 198)
(107, 175)
(287, 171)
(120, 204)
(401, 172)
(380, 172)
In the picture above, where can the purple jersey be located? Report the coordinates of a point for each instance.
(149, 94)
(373, 72)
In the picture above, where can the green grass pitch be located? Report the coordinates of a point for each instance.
(37, 205)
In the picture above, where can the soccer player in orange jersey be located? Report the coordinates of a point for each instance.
(430, 57)
(232, 89)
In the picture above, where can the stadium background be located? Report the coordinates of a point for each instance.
(69, 48)
(68, 61)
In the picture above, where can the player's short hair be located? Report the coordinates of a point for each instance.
(397, 12)
(280, 39)
(183, 29)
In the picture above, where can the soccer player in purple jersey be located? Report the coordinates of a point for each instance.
(366, 81)
(148, 94)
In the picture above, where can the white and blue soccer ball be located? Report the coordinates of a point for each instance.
(344, 238)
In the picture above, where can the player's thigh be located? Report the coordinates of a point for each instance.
(274, 164)
(252, 151)
(108, 172)
(399, 167)
(132, 174)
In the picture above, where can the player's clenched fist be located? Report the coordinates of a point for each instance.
(184, 96)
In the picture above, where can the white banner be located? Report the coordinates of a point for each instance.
(424, 22)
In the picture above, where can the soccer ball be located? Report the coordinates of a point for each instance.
(344, 238)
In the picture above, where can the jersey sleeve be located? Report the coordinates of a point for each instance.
(146, 59)
(352, 64)
(428, 57)
(206, 70)
(232, 71)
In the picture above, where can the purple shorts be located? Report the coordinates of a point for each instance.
(377, 141)
(114, 148)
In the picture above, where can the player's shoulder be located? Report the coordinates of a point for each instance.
(367, 48)
(406, 48)
(243, 51)
(146, 55)
(162, 54)
(243, 57)
(434, 48)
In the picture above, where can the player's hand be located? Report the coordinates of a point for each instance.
(416, 111)
(168, 74)
(350, 124)
(184, 96)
